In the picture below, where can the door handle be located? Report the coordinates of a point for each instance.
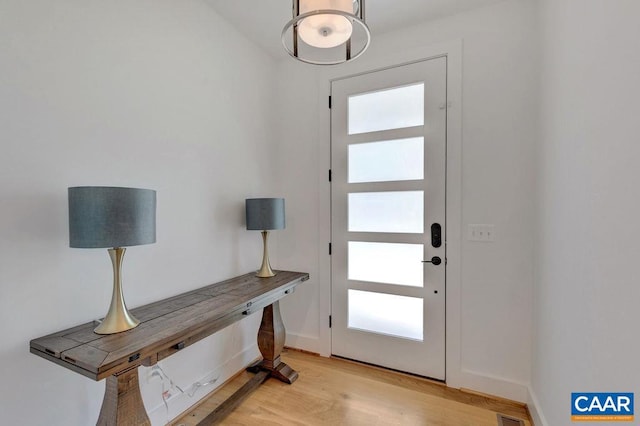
(434, 260)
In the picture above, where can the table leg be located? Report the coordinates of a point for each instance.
(271, 337)
(122, 404)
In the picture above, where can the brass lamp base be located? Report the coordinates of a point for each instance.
(118, 318)
(265, 270)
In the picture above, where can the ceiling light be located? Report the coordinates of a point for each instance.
(326, 32)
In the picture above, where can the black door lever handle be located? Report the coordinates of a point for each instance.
(434, 260)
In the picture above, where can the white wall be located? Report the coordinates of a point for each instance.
(498, 131)
(587, 292)
(155, 94)
(159, 95)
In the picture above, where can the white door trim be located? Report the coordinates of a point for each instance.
(453, 51)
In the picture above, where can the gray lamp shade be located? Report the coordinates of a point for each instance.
(105, 217)
(264, 214)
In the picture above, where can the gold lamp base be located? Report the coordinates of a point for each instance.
(118, 318)
(265, 270)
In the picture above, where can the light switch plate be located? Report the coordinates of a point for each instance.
(481, 232)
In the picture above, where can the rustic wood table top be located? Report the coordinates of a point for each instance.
(165, 327)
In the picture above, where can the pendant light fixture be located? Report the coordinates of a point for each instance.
(326, 32)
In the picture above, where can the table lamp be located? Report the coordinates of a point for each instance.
(113, 218)
(265, 214)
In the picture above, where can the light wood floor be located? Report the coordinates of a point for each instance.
(338, 392)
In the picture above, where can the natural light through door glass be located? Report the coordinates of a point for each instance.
(401, 159)
(400, 211)
(389, 314)
(388, 109)
(388, 263)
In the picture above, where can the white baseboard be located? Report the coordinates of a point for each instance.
(535, 409)
(303, 342)
(181, 402)
(492, 385)
(505, 389)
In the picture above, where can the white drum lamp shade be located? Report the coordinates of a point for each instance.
(325, 30)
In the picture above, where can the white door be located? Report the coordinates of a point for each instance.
(388, 163)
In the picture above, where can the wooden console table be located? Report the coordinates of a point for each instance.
(165, 328)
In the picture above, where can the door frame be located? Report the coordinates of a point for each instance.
(365, 64)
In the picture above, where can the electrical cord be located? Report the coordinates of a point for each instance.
(167, 392)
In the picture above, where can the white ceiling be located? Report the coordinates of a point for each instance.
(262, 20)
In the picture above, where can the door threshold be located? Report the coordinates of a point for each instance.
(381, 368)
